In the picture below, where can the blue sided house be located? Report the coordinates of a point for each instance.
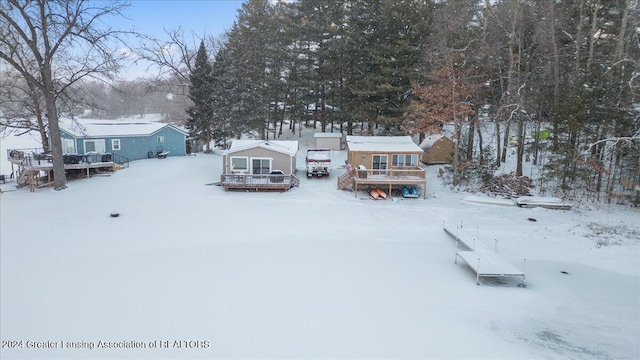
(129, 139)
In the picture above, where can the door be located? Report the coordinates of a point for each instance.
(260, 166)
(380, 162)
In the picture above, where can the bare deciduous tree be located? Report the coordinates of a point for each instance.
(53, 44)
(172, 58)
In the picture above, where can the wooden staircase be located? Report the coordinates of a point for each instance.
(345, 180)
(23, 179)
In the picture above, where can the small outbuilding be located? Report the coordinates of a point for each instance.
(331, 141)
(438, 149)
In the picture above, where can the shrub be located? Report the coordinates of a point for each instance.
(507, 185)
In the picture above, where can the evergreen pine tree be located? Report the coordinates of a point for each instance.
(201, 91)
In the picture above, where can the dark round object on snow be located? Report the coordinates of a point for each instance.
(532, 219)
(564, 272)
(115, 214)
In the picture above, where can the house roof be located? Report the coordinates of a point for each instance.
(430, 140)
(327, 135)
(382, 143)
(110, 128)
(283, 146)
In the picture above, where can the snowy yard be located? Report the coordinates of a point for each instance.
(309, 273)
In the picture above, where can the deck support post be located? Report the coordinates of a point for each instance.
(31, 184)
(455, 261)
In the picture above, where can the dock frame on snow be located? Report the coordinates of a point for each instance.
(483, 262)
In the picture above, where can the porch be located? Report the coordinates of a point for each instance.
(259, 182)
(388, 179)
(27, 165)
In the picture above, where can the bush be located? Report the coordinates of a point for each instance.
(507, 185)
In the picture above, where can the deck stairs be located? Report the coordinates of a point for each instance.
(295, 181)
(23, 179)
(345, 180)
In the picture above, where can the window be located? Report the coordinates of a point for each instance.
(68, 146)
(94, 146)
(380, 162)
(115, 144)
(260, 166)
(400, 160)
(239, 164)
(160, 139)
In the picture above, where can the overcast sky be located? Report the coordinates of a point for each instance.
(197, 18)
(205, 17)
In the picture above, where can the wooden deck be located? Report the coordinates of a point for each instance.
(31, 165)
(276, 182)
(385, 179)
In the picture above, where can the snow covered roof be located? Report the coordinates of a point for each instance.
(382, 143)
(327, 135)
(283, 146)
(106, 128)
(428, 142)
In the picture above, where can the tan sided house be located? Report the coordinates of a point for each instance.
(260, 165)
(388, 162)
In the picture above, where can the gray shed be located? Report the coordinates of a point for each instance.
(331, 141)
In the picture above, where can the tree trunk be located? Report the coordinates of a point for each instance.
(536, 143)
(505, 141)
(458, 135)
(498, 146)
(471, 136)
(520, 145)
(556, 77)
(578, 42)
(593, 34)
(59, 176)
(42, 129)
(480, 150)
(619, 52)
(456, 153)
(510, 81)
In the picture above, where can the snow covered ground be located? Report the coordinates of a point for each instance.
(314, 272)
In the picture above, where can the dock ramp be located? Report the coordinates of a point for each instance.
(482, 260)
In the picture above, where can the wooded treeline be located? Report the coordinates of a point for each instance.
(555, 80)
(558, 77)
